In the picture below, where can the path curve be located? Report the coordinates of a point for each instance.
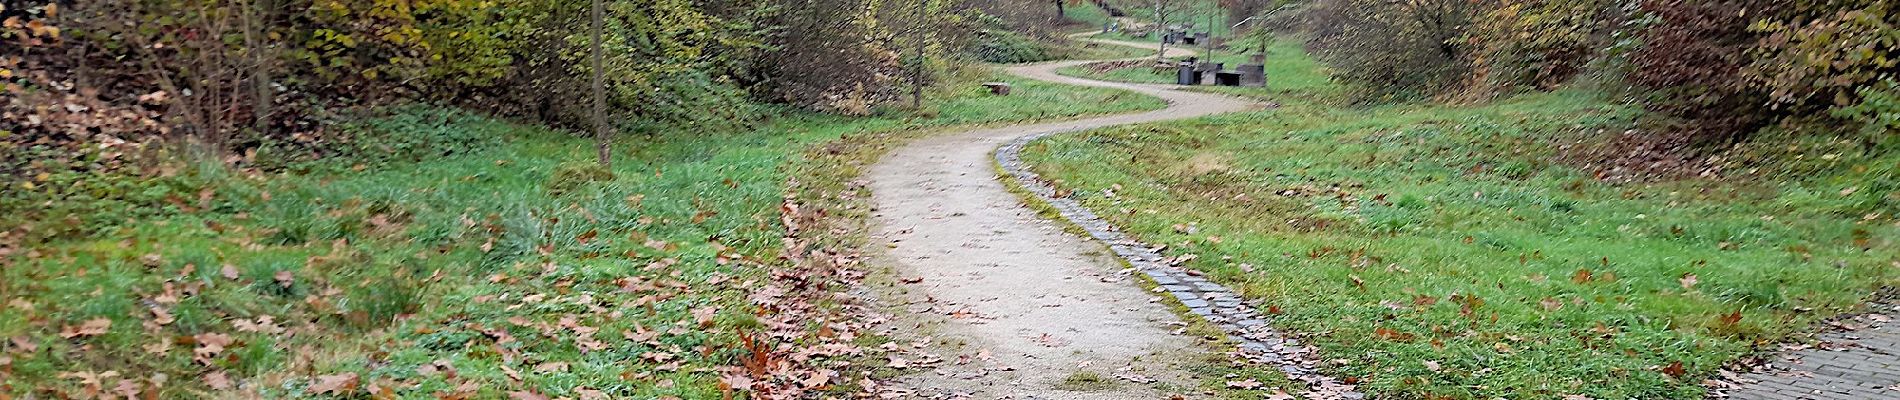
(1024, 306)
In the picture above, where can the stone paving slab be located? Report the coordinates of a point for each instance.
(1858, 360)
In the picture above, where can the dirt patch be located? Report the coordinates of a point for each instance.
(1206, 163)
(1635, 156)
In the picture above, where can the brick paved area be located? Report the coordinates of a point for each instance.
(1860, 360)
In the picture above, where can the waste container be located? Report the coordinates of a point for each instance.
(1185, 74)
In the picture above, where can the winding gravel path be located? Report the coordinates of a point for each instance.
(1030, 312)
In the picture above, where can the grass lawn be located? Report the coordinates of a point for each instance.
(1291, 75)
(1099, 51)
(509, 264)
(1436, 251)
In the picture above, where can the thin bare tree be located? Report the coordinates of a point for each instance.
(1163, 8)
(256, 23)
(601, 139)
(919, 29)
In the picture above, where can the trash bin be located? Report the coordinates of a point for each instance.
(1185, 74)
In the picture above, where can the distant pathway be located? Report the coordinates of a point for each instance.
(1014, 307)
(1860, 360)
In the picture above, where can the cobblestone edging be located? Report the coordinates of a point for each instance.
(1857, 359)
(1259, 342)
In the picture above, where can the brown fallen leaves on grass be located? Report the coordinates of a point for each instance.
(336, 383)
(92, 327)
(789, 358)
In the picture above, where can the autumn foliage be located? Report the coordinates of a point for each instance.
(1715, 72)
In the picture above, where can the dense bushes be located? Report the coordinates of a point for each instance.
(239, 74)
(1820, 53)
(1537, 43)
(1692, 56)
(1388, 49)
(1714, 71)
(993, 41)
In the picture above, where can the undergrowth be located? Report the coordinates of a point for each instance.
(1436, 251)
(458, 256)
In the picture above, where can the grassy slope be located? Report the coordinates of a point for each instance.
(1291, 75)
(468, 261)
(1435, 251)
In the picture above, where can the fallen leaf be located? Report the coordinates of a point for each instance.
(526, 395)
(217, 380)
(1551, 304)
(1674, 370)
(209, 345)
(92, 327)
(816, 379)
(161, 316)
(263, 324)
(551, 367)
(704, 315)
(338, 383)
(1249, 384)
(1688, 281)
(590, 394)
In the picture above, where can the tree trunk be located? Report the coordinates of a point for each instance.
(1161, 26)
(601, 142)
(255, 25)
(917, 66)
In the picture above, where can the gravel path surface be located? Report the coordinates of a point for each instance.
(1019, 308)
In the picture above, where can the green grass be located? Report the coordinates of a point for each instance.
(1085, 50)
(515, 263)
(1086, 381)
(1438, 252)
(1291, 75)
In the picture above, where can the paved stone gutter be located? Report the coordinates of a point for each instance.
(1857, 358)
(1258, 341)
